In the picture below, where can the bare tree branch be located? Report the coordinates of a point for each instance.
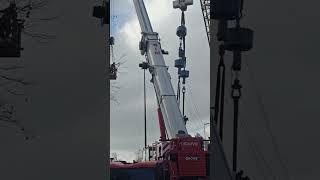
(46, 19)
(6, 120)
(10, 68)
(16, 18)
(21, 81)
(14, 93)
(40, 35)
(38, 4)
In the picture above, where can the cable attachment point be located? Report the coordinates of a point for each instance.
(180, 63)
(236, 89)
(181, 52)
(144, 65)
(183, 89)
(221, 50)
(184, 74)
(111, 41)
(164, 52)
(113, 71)
(185, 119)
(236, 64)
(181, 31)
(143, 45)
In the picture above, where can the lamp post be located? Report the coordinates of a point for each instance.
(204, 129)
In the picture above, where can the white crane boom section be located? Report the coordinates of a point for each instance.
(151, 47)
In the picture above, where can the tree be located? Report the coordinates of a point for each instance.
(15, 20)
(114, 70)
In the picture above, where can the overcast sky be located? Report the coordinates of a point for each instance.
(66, 109)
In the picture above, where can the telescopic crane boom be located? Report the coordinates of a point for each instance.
(150, 47)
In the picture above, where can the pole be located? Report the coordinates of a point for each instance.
(236, 94)
(183, 97)
(108, 98)
(204, 129)
(235, 135)
(145, 108)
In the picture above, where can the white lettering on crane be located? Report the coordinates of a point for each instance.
(190, 143)
(192, 158)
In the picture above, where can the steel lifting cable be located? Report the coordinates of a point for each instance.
(178, 92)
(253, 146)
(111, 38)
(194, 123)
(145, 107)
(199, 122)
(181, 63)
(236, 94)
(193, 112)
(267, 122)
(220, 88)
(194, 105)
(112, 53)
(183, 99)
(257, 151)
(196, 118)
(221, 52)
(184, 38)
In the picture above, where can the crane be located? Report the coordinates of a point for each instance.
(150, 47)
(181, 154)
(178, 155)
(205, 8)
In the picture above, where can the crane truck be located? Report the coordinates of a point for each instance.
(177, 155)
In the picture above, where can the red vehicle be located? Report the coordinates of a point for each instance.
(150, 170)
